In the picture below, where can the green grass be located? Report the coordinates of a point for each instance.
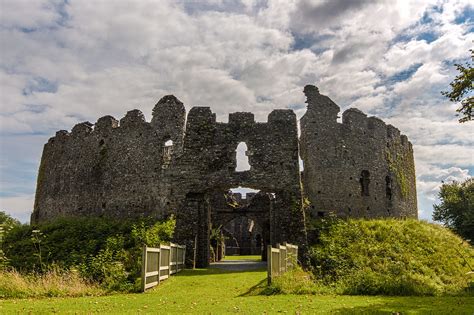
(244, 257)
(212, 291)
(392, 257)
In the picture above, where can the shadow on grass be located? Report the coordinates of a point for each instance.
(258, 289)
(212, 271)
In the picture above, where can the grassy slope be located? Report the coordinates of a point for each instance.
(392, 257)
(217, 292)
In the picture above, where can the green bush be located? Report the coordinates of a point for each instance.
(296, 281)
(103, 250)
(391, 257)
(7, 223)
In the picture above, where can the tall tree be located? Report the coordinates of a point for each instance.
(456, 210)
(462, 88)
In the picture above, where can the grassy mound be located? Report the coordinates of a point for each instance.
(391, 257)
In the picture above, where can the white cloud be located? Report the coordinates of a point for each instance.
(429, 181)
(19, 207)
(28, 14)
(106, 57)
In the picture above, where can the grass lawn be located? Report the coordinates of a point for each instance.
(244, 257)
(212, 291)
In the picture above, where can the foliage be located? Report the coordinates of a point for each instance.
(103, 250)
(153, 235)
(217, 239)
(66, 242)
(37, 238)
(54, 282)
(107, 267)
(204, 291)
(399, 167)
(461, 89)
(456, 210)
(6, 224)
(7, 220)
(391, 257)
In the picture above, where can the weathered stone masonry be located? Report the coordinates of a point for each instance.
(359, 168)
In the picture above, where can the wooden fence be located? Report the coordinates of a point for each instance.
(159, 263)
(281, 259)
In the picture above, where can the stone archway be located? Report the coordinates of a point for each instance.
(257, 208)
(207, 166)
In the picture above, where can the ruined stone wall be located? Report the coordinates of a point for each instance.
(208, 165)
(358, 168)
(112, 168)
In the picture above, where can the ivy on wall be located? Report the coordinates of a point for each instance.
(399, 167)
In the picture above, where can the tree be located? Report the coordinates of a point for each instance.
(461, 88)
(7, 220)
(456, 210)
(6, 224)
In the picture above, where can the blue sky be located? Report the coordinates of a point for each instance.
(63, 62)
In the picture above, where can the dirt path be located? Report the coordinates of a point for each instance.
(239, 265)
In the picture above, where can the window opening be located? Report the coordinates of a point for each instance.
(167, 152)
(242, 163)
(388, 187)
(364, 182)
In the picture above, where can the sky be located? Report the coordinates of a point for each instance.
(68, 61)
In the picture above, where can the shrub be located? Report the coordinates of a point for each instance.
(391, 257)
(7, 223)
(103, 250)
(296, 281)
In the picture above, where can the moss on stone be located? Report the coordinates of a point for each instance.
(399, 167)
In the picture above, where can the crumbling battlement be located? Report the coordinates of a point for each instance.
(110, 168)
(178, 165)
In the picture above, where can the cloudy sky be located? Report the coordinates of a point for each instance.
(67, 61)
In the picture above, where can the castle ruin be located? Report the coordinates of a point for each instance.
(186, 166)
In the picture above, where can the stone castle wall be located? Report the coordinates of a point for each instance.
(110, 168)
(358, 168)
(207, 166)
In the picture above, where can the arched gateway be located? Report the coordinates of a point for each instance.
(209, 154)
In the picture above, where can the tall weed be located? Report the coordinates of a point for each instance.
(53, 283)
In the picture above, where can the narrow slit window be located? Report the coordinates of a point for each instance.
(364, 182)
(388, 187)
(242, 158)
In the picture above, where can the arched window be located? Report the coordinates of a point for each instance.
(242, 158)
(364, 183)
